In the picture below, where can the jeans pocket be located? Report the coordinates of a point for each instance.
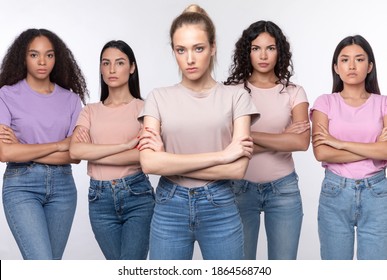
(289, 189)
(330, 189)
(93, 194)
(141, 188)
(14, 172)
(379, 189)
(238, 186)
(162, 195)
(223, 198)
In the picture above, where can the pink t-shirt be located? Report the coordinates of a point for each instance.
(111, 126)
(193, 123)
(354, 124)
(275, 105)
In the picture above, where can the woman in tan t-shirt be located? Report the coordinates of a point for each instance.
(121, 197)
(204, 140)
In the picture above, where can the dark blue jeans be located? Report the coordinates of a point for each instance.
(120, 213)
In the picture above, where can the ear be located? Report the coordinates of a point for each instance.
(336, 70)
(132, 68)
(213, 49)
(370, 67)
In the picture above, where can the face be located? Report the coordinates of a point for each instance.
(263, 54)
(353, 65)
(193, 51)
(116, 68)
(40, 58)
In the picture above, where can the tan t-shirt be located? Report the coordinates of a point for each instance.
(276, 114)
(193, 123)
(111, 126)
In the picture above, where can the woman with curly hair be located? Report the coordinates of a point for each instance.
(41, 89)
(262, 65)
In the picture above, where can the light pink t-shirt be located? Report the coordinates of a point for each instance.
(193, 123)
(276, 108)
(111, 126)
(354, 124)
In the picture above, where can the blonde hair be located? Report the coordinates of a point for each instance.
(194, 14)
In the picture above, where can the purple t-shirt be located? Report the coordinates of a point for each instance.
(39, 118)
(354, 124)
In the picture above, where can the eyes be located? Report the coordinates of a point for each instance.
(120, 62)
(34, 55)
(269, 48)
(344, 60)
(197, 49)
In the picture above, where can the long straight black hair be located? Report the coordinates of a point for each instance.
(134, 81)
(371, 82)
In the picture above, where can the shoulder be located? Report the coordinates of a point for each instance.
(11, 89)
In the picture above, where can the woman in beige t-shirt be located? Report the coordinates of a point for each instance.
(196, 136)
(121, 197)
(262, 64)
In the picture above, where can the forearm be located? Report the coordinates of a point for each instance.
(325, 153)
(376, 151)
(26, 152)
(235, 170)
(168, 164)
(282, 142)
(259, 149)
(127, 157)
(94, 152)
(57, 158)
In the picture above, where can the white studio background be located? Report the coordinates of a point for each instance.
(313, 28)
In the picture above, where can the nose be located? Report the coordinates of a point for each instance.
(190, 58)
(42, 60)
(263, 55)
(352, 65)
(112, 68)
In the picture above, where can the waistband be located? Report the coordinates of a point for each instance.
(379, 176)
(212, 187)
(32, 163)
(292, 176)
(130, 179)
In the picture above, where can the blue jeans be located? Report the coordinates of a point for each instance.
(120, 213)
(205, 214)
(346, 204)
(39, 203)
(280, 200)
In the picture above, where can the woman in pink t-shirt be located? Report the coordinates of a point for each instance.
(349, 139)
(205, 128)
(120, 196)
(262, 64)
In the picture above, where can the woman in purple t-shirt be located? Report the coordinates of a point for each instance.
(350, 141)
(41, 89)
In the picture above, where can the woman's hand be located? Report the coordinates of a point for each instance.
(240, 147)
(150, 139)
(297, 127)
(7, 135)
(383, 136)
(82, 135)
(324, 138)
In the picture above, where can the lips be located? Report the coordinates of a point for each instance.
(191, 70)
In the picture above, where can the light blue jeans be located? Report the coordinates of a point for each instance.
(346, 204)
(280, 200)
(120, 213)
(39, 203)
(206, 214)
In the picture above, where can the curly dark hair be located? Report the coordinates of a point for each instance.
(66, 72)
(241, 67)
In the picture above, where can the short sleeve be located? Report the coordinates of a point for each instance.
(84, 117)
(74, 116)
(5, 114)
(321, 104)
(150, 108)
(244, 105)
(298, 95)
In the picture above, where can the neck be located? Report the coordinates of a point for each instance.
(41, 86)
(263, 80)
(118, 96)
(201, 85)
(354, 92)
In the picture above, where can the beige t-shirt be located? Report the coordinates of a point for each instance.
(111, 126)
(276, 114)
(193, 123)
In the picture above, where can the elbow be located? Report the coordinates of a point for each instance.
(305, 146)
(74, 154)
(239, 170)
(319, 155)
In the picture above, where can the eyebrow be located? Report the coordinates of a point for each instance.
(32, 50)
(346, 55)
